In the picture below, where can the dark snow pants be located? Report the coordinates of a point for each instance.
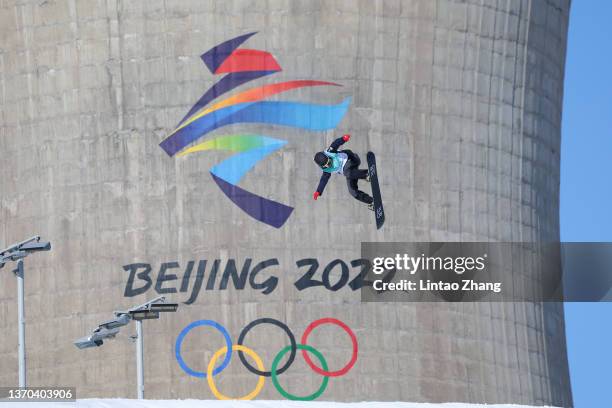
(353, 174)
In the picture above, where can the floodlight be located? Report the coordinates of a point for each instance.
(16, 247)
(144, 315)
(16, 253)
(86, 342)
(36, 246)
(164, 307)
(121, 320)
(97, 337)
(15, 256)
(109, 329)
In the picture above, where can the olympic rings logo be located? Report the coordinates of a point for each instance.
(259, 370)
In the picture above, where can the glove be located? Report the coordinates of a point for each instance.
(316, 195)
(346, 138)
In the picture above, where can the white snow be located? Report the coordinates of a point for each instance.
(131, 403)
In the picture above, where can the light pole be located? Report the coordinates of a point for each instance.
(139, 360)
(21, 323)
(17, 252)
(109, 330)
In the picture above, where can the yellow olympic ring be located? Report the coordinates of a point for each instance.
(211, 367)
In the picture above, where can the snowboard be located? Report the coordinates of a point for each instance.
(379, 212)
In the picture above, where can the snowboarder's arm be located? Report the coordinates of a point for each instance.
(337, 143)
(322, 183)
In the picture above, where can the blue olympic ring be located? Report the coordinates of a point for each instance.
(181, 337)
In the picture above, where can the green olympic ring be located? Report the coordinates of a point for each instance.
(280, 389)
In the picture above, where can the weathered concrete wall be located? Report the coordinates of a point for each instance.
(461, 101)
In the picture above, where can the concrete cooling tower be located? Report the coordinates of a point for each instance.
(166, 147)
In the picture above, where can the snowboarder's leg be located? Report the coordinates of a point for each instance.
(351, 168)
(355, 192)
(355, 173)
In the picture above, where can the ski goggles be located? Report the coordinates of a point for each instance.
(328, 164)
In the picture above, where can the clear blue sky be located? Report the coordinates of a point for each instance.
(586, 189)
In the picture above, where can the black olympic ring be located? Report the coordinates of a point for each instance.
(276, 323)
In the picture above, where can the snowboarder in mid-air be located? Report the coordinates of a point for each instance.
(343, 162)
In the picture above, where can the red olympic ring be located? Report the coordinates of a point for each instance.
(347, 329)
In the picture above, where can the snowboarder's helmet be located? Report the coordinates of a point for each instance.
(321, 159)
